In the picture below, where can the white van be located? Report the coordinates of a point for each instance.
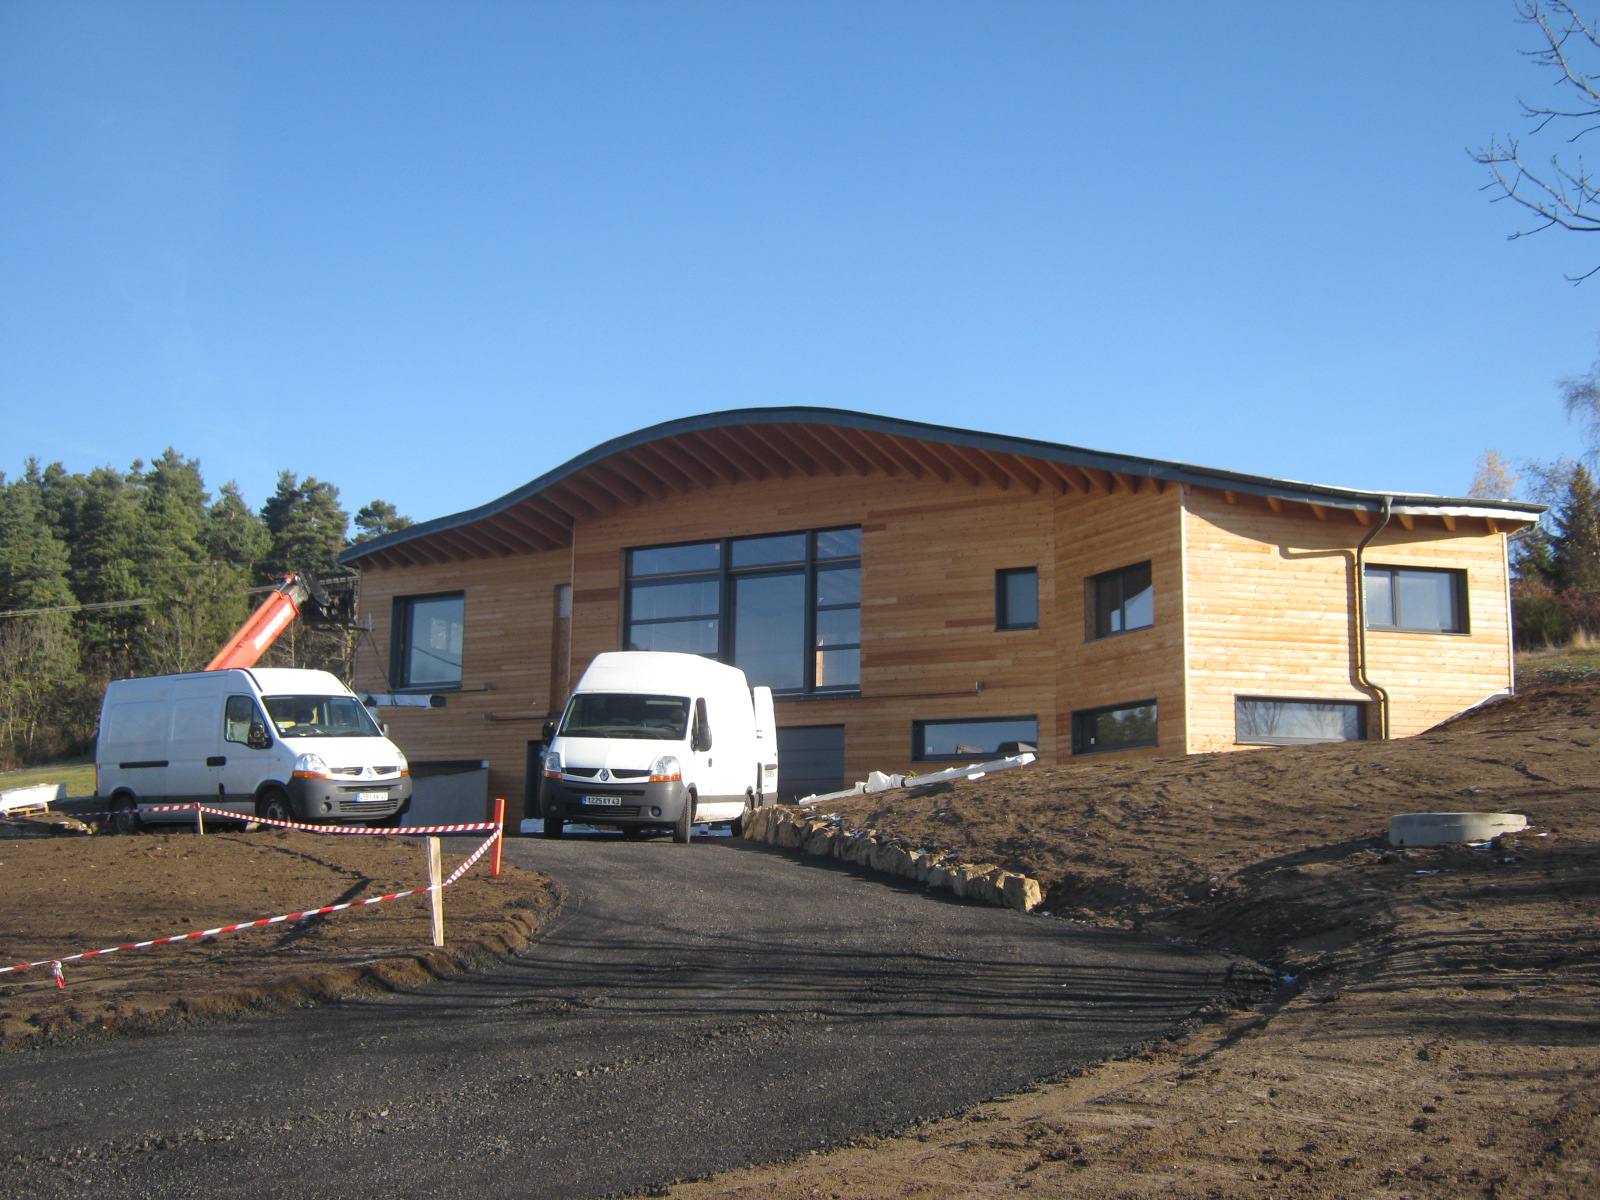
(656, 740)
(276, 742)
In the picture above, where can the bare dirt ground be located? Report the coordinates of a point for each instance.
(1437, 1034)
(65, 892)
(1438, 1030)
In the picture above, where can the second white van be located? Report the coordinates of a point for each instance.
(652, 740)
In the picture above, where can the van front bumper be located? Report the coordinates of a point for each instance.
(612, 804)
(332, 799)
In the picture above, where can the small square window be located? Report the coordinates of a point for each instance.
(428, 633)
(973, 738)
(1016, 598)
(1416, 599)
(1120, 601)
(1115, 727)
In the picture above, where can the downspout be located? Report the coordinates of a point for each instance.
(1361, 621)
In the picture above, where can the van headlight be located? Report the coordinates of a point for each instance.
(552, 765)
(667, 769)
(310, 766)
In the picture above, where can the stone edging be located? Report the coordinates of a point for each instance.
(865, 848)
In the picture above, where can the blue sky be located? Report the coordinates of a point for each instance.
(428, 251)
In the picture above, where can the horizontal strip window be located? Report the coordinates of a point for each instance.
(1114, 727)
(976, 737)
(785, 608)
(1264, 721)
(1416, 599)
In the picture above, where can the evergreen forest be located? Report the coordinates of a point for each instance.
(115, 573)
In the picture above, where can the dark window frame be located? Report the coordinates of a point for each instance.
(919, 734)
(1003, 622)
(1082, 717)
(1363, 716)
(725, 576)
(400, 643)
(1458, 598)
(1092, 612)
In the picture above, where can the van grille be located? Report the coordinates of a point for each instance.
(594, 773)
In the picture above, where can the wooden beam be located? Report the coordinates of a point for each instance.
(784, 450)
(864, 445)
(1320, 512)
(692, 468)
(1275, 504)
(841, 448)
(670, 479)
(985, 468)
(1362, 516)
(958, 466)
(1229, 496)
(826, 456)
(900, 453)
(1449, 521)
(1016, 468)
(1406, 520)
(739, 450)
(628, 491)
(1056, 475)
(708, 452)
(540, 526)
(1494, 526)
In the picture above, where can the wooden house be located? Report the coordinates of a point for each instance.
(919, 595)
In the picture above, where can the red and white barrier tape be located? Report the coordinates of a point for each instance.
(227, 814)
(55, 963)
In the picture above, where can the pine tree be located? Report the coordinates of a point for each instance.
(306, 525)
(376, 519)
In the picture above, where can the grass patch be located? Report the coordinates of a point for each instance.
(76, 773)
(1546, 668)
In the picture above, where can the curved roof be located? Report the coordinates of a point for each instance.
(690, 453)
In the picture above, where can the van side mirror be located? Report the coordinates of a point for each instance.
(700, 736)
(549, 731)
(258, 738)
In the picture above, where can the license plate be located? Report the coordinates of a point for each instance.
(609, 801)
(373, 797)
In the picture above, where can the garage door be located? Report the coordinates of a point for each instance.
(810, 761)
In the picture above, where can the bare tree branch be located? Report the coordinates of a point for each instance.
(1560, 195)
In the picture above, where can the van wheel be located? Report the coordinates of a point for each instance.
(273, 804)
(737, 825)
(125, 815)
(685, 822)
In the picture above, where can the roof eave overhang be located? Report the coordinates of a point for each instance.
(542, 513)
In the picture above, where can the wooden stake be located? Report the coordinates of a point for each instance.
(500, 833)
(199, 822)
(436, 897)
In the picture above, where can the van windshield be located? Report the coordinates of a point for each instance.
(320, 716)
(626, 715)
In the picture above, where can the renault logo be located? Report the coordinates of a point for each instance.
(605, 775)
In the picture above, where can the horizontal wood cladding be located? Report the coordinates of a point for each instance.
(1271, 613)
(929, 554)
(505, 671)
(1094, 535)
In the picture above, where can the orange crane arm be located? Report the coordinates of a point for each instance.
(263, 627)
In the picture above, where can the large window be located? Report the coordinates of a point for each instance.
(1115, 727)
(978, 737)
(1416, 599)
(1120, 601)
(1260, 721)
(784, 608)
(427, 640)
(1016, 598)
